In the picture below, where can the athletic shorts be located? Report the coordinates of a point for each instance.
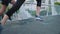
(6, 2)
(14, 8)
(38, 2)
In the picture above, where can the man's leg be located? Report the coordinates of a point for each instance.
(10, 12)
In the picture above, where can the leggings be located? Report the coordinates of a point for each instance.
(14, 8)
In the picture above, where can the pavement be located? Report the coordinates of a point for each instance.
(50, 25)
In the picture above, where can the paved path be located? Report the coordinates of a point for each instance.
(51, 25)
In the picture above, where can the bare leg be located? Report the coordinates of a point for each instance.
(3, 21)
(38, 13)
(2, 10)
(38, 10)
(10, 12)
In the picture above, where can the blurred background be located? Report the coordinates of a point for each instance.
(27, 10)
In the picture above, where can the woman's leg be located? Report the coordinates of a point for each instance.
(10, 12)
(4, 19)
(38, 7)
(4, 6)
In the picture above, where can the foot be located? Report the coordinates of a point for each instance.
(39, 18)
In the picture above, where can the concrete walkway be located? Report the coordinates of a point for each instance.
(50, 25)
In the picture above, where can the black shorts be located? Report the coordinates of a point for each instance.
(15, 7)
(6, 2)
(38, 2)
